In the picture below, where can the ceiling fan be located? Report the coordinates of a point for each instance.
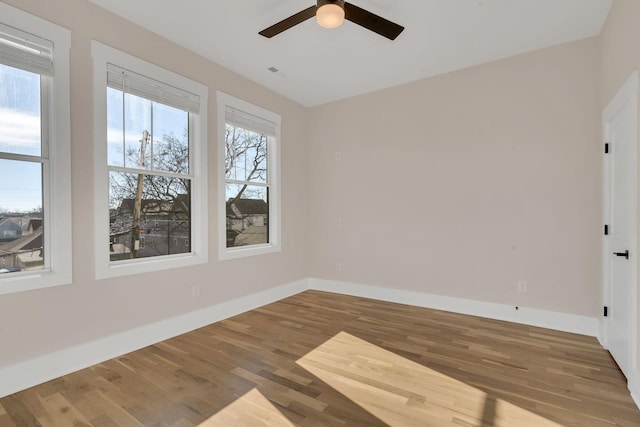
(332, 13)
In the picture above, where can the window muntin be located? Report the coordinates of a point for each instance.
(150, 166)
(249, 175)
(35, 184)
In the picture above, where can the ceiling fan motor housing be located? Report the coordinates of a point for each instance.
(323, 2)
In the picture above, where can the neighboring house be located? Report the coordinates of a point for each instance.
(23, 253)
(149, 207)
(29, 225)
(10, 229)
(247, 222)
(164, 227)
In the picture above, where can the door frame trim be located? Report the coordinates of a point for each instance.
(628, 93)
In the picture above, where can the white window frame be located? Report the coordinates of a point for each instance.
(57, 179)
(103, 55)
(273, 170)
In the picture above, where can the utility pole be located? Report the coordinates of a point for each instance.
(137, 207)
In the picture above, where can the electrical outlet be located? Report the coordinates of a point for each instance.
(338, 266)
(522, 286)
(338, 155)
(339, 223)
(195, 291)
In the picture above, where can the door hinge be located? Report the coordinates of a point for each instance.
(606, 311)
(606, 148)
(606, 230)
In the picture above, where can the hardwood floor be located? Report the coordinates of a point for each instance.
(320, 359)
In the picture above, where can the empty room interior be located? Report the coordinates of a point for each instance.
(299, 213)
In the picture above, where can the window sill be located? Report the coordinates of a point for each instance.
(244, 251)
(29, 281)
(148, 265)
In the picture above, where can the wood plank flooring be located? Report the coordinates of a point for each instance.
(320, 359)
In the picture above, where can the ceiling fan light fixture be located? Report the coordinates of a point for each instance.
(330, 14)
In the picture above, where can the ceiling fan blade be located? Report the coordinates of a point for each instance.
(289, 22)
(371, 21)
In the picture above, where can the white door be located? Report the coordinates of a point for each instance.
(619, 249)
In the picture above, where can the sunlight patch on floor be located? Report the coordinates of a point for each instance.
(251, 409)
(401, 392)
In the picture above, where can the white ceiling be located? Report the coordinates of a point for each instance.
(319, 65)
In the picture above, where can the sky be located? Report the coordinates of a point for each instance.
(20, 182)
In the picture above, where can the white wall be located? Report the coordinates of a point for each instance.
(463, 184)
(38, 322)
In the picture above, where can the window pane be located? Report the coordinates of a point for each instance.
(137, 121)
(170, 139)
(115, 128)
(247, 215)
(245, 155)
(165, 131)
(163, 213)
(20, 125)
(21, 216)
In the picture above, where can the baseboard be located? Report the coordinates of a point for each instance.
(35, 371)
(633, 383)
(29, 373)
(529, 316)
(601, 333)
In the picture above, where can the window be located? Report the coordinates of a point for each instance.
(249, 207)
(34, 153)
(150, 162)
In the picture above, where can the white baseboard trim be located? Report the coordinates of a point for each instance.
(633, 383)
(29, 373)
(528, 316)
